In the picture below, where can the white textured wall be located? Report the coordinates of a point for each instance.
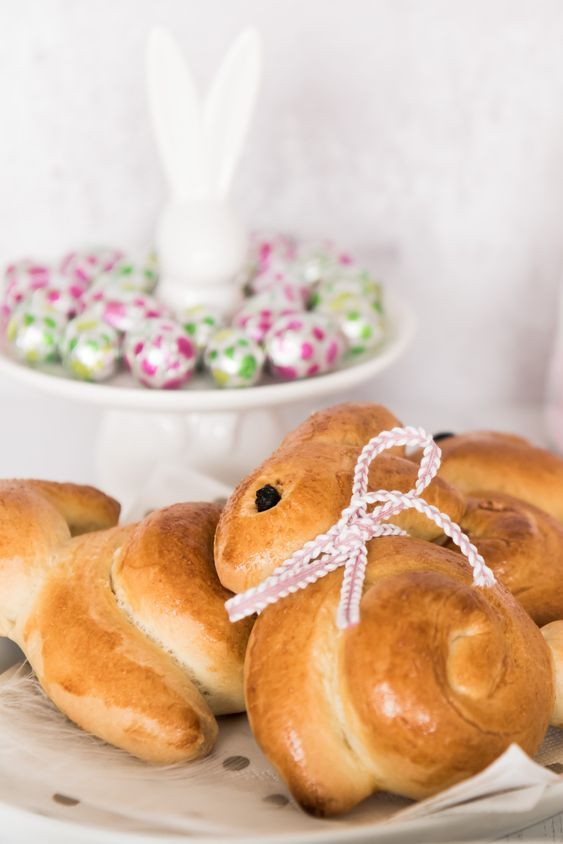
(426, 135)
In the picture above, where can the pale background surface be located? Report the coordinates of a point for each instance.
(426, 136)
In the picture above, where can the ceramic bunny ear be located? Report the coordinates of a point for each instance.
(176, 117)
(199, 147)
(228, 110)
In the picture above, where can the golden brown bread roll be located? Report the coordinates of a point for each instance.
(125, 628)
(436, 681)
(504, 463)
(301, 490)
(553, 635)
(524, 547)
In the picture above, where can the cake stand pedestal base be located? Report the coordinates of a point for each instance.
(222, 445)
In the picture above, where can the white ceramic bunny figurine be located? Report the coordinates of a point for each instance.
(200, 241)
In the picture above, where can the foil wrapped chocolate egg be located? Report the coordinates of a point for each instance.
(304, 345)
(318, 260)
(354, 303)
(348, 282)
(20, 281)
(160, 355)
(283, 285)
(34, 334)
(90, 349)
(258, 313)
(234, 359)
(85, 265)
(61, 294)
(361, 323)
(125, 277)
(268, 252)
(125, 310)
(200, 322)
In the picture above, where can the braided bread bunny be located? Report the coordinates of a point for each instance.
(437, 680)
(125, 627)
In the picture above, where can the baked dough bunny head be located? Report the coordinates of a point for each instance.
(125, 627)
(301, 490)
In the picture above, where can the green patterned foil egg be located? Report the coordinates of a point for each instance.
(125, 277)
(354, 282)
(234, 359)
(360, 320)
(34, 334)
(90, 349)
(200, 322)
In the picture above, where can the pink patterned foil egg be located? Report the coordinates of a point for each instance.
(125, 310)
(257, 324)
(258, 313)
(85, 265)
(268, 251)
(62, 294)
(281, 284)
(21, 279)
(160, 355)
(304, 345)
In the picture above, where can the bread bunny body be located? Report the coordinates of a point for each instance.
(201, 242)
(125, 627)
(494, 462)
(438, 678)
(523, 545)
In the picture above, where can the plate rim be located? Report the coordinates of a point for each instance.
(402, 325)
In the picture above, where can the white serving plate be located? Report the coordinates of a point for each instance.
(74, 789)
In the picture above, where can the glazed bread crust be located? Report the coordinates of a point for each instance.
(524, 547)
(313, 472)
(165, 580)
(84, 508)
(438, 678)
(125, 628)
(101, 670)
(351, 423)
(504, 463)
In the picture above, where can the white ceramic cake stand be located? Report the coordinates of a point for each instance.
(221, 434)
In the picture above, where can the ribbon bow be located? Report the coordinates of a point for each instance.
(345, 544)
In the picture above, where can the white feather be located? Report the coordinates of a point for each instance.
(43, 752)
(176, 116)
(228, 110)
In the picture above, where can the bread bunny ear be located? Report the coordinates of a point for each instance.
(228, 109)
(176, 116)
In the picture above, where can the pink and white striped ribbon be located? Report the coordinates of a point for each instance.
(345, 543)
